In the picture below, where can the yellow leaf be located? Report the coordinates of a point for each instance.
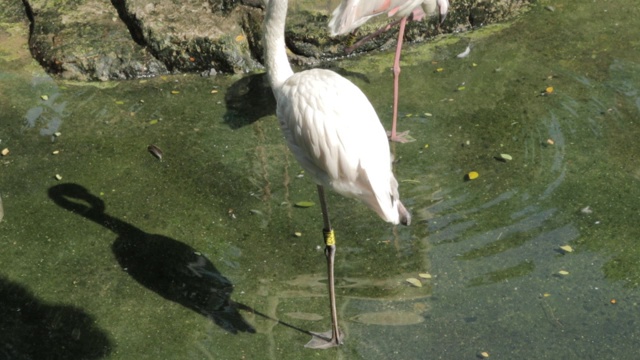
(566, 248)
(304, 204)
(415, 282)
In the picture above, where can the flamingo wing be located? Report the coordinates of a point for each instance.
(351, 14)
(342, 146)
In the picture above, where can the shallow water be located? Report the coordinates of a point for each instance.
(127, 256)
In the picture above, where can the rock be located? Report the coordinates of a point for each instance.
(194, 35)
(85, 40)
(92, 40)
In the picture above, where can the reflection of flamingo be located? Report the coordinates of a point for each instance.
(353, 13)
(323, 116)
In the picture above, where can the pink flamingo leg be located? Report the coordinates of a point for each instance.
(403, 136)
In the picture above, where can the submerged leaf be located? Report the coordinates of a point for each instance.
(155, 151)
(425, 275)
(415, 282)
(304, 204)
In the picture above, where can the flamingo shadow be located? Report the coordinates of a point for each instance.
(33, 329)
(170, 268)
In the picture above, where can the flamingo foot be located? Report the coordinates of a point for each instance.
(324, 340)
(401, 137)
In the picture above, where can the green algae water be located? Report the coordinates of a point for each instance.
(109, 252)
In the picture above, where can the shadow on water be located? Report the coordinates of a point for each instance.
(248, 100)
(172, 269)
(251, 98)
(31, 329)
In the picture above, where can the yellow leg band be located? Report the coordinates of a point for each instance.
(329, 237)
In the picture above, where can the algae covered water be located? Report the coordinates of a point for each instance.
(110, 252)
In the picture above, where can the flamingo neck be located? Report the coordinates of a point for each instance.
(275, 57)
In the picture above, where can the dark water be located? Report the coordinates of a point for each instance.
(126, 256)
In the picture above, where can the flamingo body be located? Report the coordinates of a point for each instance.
(351, 14)
(336, 136)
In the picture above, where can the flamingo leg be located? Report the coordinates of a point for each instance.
(393, 136)
(332, 337)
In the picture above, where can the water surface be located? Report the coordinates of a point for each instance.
(195, 256)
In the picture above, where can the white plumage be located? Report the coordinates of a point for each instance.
(335, 134)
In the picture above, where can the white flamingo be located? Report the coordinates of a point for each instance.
(351, 14)
(336, 136)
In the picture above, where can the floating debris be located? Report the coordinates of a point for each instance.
(155, 151)
(472, 175)
(563, 272)
(256, 212)
(465, 53)
(214, 91)
(415, 282)
(57, 134)
(174, 92)
(425, 275)
(58, 177)
(304, 204)
(5, 152)
(506, 157)
(546, 295)
(153, 121)
(547, 91)
(297, 234)
(483, 355)
(566, 248)
(586, 210)
(550, 8)
(44, 97)
(613, 301)
(119, 102)
(550, 142)
(439, 69)
(55, 152)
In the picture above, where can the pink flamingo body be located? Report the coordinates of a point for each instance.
(353, 13)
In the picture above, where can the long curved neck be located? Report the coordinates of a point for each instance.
(275, 57)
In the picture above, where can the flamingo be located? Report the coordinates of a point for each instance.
(351, 14)
(322, 116)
